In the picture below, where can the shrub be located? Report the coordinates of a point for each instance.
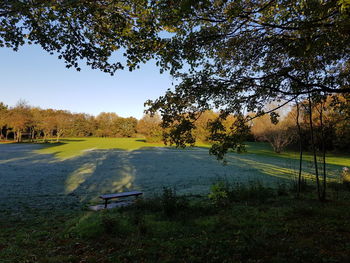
(97, 225)
(219, 193)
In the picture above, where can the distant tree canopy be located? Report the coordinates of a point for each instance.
(335, 125)
(34, 123)
(232, 56)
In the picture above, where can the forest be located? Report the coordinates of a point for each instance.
(330, 119)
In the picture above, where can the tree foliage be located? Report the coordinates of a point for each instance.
(231, 56)
(245, 54)
(36, 123)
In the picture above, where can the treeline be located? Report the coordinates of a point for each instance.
(32, 123)
(330, 120)
(326, 120)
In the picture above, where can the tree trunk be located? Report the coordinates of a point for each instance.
(33, 135)
(314, 149)
(19, 136)
(323, 154)
(300, 150)
(58, 136)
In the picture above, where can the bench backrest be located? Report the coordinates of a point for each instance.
(124, 194)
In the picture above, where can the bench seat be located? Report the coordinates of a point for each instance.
(107, 197)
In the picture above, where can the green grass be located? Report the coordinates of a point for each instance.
(46, 188)
(76, 171)
(72, 147)
(273, 229)
(262, 148)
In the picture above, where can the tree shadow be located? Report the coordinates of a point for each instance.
(29, 180)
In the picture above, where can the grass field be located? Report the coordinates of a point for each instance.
(45, 189)
(74, 172)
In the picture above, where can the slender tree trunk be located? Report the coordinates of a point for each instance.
(323, 154)
(19, 136)
(33, 135)
(58, 136)
(314, 149)
(300, 150)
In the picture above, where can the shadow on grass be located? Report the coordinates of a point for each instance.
(47, 182)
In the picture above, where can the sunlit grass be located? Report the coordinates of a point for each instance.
(262, 148)
(72, 147)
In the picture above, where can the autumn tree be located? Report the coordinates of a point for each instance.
(125, 127)
(279, 134)
(18, 118)
(82, 125)
(105, 124)
(47, 123)
(149, 126)
(62, 123)
(201, 131)
(3, 122)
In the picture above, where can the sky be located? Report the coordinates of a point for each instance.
(42, 80)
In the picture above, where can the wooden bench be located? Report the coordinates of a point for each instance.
(107, 197)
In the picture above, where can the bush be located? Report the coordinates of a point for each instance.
(220, 193)
(97, 225)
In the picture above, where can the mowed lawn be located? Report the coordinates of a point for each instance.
(74, 172)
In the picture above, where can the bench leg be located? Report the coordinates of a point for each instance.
(106, 203)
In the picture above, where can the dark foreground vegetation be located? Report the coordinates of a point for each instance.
(235, 223)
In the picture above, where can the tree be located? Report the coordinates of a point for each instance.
(279, 134)
(3, 122)
(36, 119)
(62, 123)
(240, 54)
(47, 123)
(244, 54)
(149, 126)
(19, 118)
(82, 30)
(201, 131)
(82, 125)
(105, 124)
(125, 127)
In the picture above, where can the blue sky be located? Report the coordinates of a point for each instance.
(42, 80)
